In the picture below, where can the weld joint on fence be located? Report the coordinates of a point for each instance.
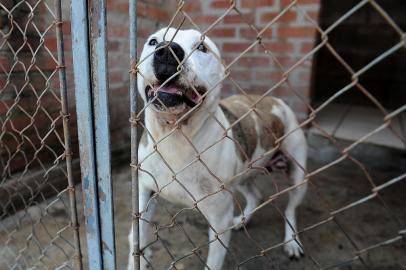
(60, 67)
(74, 226)
(133, 70)
(71, 189)
(136, 254)
(67, 154)
(77, 256)
(136, 215)
(134, 121)
(58, 23)
(64, 115)
(135, 166)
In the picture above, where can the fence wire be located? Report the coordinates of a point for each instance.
(38, 217)
(143, 169)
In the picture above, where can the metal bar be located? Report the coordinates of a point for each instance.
(67, 135)
(82, 79)
(134, 133)
(99, 69)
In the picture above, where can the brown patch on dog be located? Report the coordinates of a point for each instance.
(243, 131)
(270, 127)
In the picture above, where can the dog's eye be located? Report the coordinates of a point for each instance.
(202, 48)
(153, 42)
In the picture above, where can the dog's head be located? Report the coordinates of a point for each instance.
(178, 71)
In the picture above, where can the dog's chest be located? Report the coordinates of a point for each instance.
(179, 175)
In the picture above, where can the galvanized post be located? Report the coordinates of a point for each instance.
(98, 41)
(67, 135)
(134, 140)
(84, 111)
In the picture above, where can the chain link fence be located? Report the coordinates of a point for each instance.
(38, 217)
(179, 163)
(39, 224)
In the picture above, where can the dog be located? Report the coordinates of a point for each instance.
(196, 148)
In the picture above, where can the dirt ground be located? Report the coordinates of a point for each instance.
(333, 242)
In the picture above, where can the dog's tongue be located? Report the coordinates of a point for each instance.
(170, 89)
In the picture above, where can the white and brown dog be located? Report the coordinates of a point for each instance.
(202, 156)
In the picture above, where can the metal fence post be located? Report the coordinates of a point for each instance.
(98, 41)
(134, 129)
(67, 135)
(82, 79)
(91, 85)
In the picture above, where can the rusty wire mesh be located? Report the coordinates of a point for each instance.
(38, 218)
(176, 221)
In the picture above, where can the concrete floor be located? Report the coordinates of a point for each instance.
(350, 122)
(331, 243)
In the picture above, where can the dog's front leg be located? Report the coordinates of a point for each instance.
(147, 208)
(219, 213)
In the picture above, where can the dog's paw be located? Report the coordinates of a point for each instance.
(293, 249)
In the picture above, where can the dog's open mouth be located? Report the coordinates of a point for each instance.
(174, 95)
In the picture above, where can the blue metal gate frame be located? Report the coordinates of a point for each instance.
(91, 85)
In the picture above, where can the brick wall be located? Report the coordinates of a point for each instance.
(29, 85)
(29, 64)
(286, 41)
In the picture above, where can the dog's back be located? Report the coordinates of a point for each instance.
(253, 128)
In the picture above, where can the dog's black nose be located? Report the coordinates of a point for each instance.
(166, 60)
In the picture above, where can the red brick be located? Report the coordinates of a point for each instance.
(288, 16)
(303, 2)
(237, 18)
(253, 61)
(278, 47)
(268, 75)
(67, 44)
(222, 32)
(306, 47)
(287, 61)
(258, 89)
(241, 75)
(257, 3)
(66, 28)
(298, 31)
(204, 19)
(282, 91)
(192, 7)
(149, 11)
(116, 77)
(251, 34)
(50, 43)
(113, 45)
(118, 7)
(235, 46)
(220, 4)
(313, 14)
(117, 31)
